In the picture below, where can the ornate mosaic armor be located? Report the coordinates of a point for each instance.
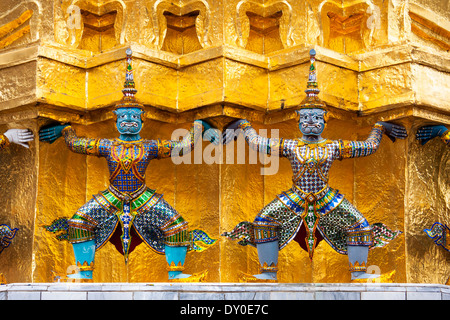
(128, 212)
(4, 142)
(128, 201)
(6, 236)
(311, 210)
(446, 137)
(440, 234)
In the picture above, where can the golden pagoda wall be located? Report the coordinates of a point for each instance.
(220, 60)
(19, 190)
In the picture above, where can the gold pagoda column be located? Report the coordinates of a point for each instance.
(376, 60)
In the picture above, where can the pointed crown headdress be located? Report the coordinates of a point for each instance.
(129, 90)
(312, 101)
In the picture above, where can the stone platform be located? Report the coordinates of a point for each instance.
(223, 291)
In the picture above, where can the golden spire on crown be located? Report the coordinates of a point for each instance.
(312, 100)
(129, 90)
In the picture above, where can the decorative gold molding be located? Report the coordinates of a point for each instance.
(357, 267)
(269, 268)
(430, 26)
(13, 27)
(84, 267)
(347, 18)
(242, 23)
(202, 20)
(22, 20)
(82, 107)
(73, 16)
(173, 267)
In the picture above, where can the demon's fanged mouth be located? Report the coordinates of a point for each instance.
(128, 124)
(305, 125)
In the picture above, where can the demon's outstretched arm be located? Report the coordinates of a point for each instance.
(273, 146)
(167, 148)
(88, 146)
(354, 149)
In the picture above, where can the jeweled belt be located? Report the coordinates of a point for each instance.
(127, 196)
(311, 196)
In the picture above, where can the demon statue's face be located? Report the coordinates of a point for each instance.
(311, 122)
(129, 121)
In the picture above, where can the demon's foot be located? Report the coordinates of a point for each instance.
(196, 277)
(262, 277)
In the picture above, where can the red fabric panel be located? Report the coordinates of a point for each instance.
(300, 237)
(117, 242)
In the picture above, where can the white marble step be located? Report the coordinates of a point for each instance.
(223, 291)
